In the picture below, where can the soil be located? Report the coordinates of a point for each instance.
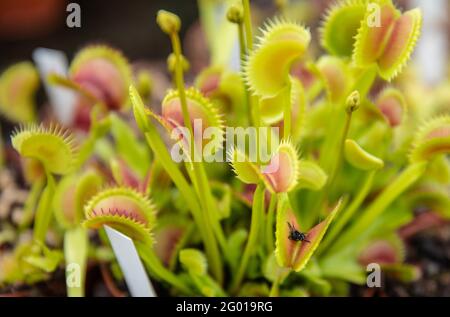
(430, 251)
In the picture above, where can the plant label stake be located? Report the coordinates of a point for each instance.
(137, 280)
(61, 99)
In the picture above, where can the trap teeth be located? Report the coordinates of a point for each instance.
(53, 146)
(201, 110)
(432, 139)
(283, 169)
(124, 209)
(342, 18)
(267, 68)
(389, 45)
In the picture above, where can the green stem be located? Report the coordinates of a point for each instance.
(163, 156)
(179, 81)
(359, 229)
(199, 172)
(275, 288)
(30, 204)
(202, 189)
(338, 161)
(76, 252)
(242, 46)
(344, 218)
(44, 210)
(318, 202)
(211, 206)
(98, 130)
(243, 53)
(252, 242)
(254, 107)
(248, 24)
(270, 223)
(154, 265)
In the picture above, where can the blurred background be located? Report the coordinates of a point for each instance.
(128, 25)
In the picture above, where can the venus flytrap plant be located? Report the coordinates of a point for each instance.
(163, 156)
(21, 265)
(55, 149)
(390, 45)
(170, 24)
(294, 249)
(34, 175)
(99, 127)
(195, 263)
(248, 25)
(282, 42)
(357, 83)
(133, 214)
(101, 76)
(362, 160)
(131, 150)
(172, 233)
(123, 209)
(247, 21)
(387, 41)
(392, 105)
(340, 26)
(125, 176)
(257, 215)
(227, 91)
(359, 158)
(334, 166)
(296, 241)
(345, 16)
(272, 114)
(200, 110)
(389, 249)
(104, 73)
(352, 104)
(389, 252)
(18, 85)
(431, 141)
(279, 176)
(235, 14)
(172, 64)
(336, 79)
(336, 76)
(72, 192)
(432, 196)
(144, 82)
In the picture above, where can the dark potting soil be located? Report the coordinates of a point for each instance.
(430, 252)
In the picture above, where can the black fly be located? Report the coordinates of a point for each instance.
(296, 235)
